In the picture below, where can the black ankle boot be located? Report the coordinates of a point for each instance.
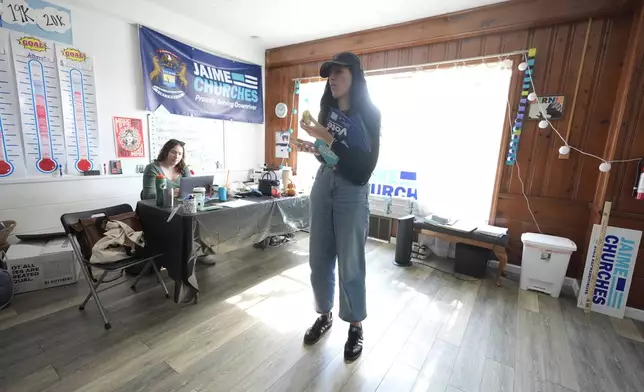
(319, 328)
(353, 346)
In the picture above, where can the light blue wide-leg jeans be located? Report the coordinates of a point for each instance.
(338, 229)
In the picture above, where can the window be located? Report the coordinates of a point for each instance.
(445, 125)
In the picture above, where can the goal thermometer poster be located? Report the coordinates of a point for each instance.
(12, 159)
(76, 75)
(617, 262)
(34, 63)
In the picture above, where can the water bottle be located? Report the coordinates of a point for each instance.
(160, 183)
(223, 194)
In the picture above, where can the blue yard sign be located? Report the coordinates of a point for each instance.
(191, 82)
(616, 266)
(38, 18)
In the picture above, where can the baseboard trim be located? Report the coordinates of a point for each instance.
(632, 313)
(575, 286)
(515, 269)
(635, 314)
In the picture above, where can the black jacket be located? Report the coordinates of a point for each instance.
(356, 165)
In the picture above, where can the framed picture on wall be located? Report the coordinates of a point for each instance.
(115, 167)
(552, 106)
(128, 137)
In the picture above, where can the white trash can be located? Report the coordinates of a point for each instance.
(544, 263)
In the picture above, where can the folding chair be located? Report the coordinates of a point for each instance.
(71, 219)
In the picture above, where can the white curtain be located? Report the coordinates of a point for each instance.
(309, 99)
(445, 125)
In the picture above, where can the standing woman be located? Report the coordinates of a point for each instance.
(339, 199)
(170, 163)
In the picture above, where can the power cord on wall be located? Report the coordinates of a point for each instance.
(525, 196)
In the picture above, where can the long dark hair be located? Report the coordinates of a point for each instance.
(359, 99)
(165, 150)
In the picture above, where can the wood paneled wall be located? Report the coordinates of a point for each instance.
(561, 191)
(626, 211)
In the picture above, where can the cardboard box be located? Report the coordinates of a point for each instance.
(36, 265)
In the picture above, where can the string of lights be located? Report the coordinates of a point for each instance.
(533, 97)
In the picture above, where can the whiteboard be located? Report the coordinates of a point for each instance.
(244, 145)
(204, 139)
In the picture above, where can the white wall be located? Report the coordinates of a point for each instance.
(112, 39)
(147, 13)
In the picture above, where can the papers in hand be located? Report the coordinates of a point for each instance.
(349, 131)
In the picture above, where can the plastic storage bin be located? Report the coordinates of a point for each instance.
(471, 260)
(545, 261)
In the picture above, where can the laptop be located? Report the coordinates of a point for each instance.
(187, 184)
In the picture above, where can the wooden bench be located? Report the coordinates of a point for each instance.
(497, 245)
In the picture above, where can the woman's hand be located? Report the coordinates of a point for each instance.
(317, 131)
(305, 146)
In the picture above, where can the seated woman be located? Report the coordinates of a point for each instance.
(170, 163)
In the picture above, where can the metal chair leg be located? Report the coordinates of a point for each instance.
(160, 278)
(145, 270)
(89, 295)
(99, 305)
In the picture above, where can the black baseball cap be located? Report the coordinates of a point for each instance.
(346, 59)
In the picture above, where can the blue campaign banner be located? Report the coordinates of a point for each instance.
(38, 18)
(394, 183)
(191, 82)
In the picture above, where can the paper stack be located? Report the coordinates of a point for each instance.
(464, 226)
(379, 205)
(493, 231)
(436, 219)
(415, 209)
(402, 206)
(394, 207)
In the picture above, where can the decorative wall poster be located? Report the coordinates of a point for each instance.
(76, 73)
(12, 159)
(37, 18)
(552, 105)
(282, 148)
(128, 137)
(619, 252)
(190, 82)
(40, 105)
(521, 113)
